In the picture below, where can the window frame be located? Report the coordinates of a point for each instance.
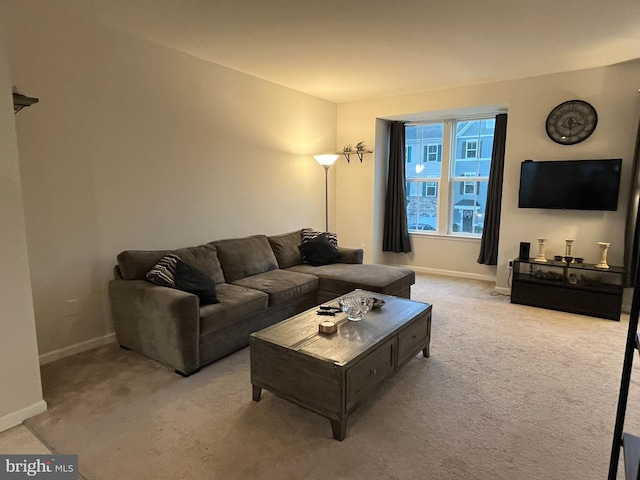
(445, 183)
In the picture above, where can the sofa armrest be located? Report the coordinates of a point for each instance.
(159, 322)
(350, 255)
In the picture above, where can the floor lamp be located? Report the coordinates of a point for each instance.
(326, 161)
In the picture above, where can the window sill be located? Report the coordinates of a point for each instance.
(442, 236)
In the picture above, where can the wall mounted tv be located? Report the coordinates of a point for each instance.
(570, 184)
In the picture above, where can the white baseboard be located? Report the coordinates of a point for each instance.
(503, 290)
(16, 418)
(77, 348)
(451, 273)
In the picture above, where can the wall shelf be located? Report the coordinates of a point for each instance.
(359, 153)
(20, 101)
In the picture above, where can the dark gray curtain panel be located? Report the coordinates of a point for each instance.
(632, 229)
(491, 231)
(396, 234)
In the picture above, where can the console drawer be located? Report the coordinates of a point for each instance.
(370, 371)
(412, 339)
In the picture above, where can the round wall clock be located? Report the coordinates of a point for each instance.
(571, 122)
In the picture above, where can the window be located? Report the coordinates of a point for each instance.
(433, 153)
(470, 149)
(407, 154)
(469, 188)
(447, 186)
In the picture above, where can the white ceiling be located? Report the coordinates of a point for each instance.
(345, 50)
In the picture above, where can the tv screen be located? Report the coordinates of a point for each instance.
(570, 184)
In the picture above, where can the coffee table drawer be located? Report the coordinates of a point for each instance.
(412, 339)
(370, 371)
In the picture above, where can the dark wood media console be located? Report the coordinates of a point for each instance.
(577, 287)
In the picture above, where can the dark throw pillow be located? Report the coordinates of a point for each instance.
(309, 234)
(192, 280)
(319, 251)
(163, 272)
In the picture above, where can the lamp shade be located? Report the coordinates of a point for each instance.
(326, 160)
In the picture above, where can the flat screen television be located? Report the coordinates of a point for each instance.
(570, 184)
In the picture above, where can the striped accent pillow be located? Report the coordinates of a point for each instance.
(308, 234)
(163, 273)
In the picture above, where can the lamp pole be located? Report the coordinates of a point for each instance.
(326, 161)
(326, 197)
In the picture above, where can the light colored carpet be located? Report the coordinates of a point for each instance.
(510, 392)
(20, 441)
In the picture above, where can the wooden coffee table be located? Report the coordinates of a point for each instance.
(332, 374)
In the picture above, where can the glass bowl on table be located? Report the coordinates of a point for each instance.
(356, 306)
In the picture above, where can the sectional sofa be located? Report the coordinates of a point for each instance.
(257, 281)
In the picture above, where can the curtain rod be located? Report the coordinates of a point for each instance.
(475, 116)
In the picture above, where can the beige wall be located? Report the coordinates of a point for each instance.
(135, 146)
(20, 391)
(612, 90)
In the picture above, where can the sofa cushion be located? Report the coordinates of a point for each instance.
(204, 258)
(280, 285)
(235, 303)
(319, 251)
(192, 280)
(285, 248)
(243, 257)
(134, 264)
(343, 278)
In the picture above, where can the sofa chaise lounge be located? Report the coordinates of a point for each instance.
(259, 280)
